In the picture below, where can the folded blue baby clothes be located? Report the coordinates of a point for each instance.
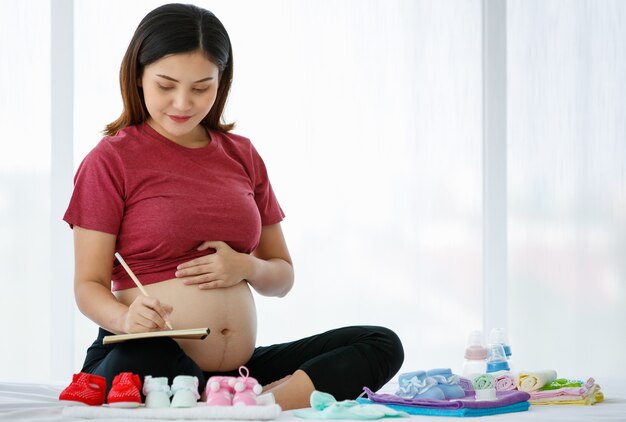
(447, 382)
(414, 385)
(460, 412)
(325, 406)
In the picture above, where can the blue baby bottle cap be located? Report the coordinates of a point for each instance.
(498, 366)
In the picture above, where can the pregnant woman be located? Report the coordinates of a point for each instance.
(190, 207)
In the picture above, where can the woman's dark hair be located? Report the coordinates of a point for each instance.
(171, 29)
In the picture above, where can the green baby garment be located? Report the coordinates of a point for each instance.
(325, 406)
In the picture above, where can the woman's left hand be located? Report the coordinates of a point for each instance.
(224, 268)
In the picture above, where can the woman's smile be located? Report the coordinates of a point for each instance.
(179, 119)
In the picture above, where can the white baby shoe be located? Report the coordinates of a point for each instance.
(185, 390)
(157, 391)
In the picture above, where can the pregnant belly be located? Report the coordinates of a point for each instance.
(229, 313)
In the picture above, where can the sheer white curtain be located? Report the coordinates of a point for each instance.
(567, 192)
(25, 190)
(368, 117)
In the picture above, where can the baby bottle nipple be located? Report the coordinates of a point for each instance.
(498, 335)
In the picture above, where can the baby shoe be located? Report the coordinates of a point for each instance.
(246, 389)
(466, 384)
(185, 391)
(86, 389)
(416, 385)
(219, 391)
(447, 382)
(266, 399)
(125, 390)
(157, 391)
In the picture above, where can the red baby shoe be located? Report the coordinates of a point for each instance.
(86, 389)
(125, 390)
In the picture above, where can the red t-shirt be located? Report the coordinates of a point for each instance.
(162, 200)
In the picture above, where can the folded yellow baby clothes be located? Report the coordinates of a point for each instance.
(533, 381)
(599, 396)
(586, 401)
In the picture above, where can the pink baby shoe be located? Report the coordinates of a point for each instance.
(219, 391)
(246, 389)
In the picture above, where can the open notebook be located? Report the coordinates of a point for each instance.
(191, 333)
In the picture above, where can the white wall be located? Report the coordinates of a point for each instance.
(368, 115)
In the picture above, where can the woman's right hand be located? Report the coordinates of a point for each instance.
(146, 314)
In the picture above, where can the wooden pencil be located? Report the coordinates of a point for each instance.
(138, 283)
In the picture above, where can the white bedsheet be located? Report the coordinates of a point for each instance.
(37, 402)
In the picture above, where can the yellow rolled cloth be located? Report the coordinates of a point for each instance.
(533, 381)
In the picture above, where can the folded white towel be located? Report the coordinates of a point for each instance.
(202, 411)
(532, 381)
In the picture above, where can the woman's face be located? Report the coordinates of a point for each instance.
(179, 91)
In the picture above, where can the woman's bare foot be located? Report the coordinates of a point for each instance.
(293, 392)
(275, 383)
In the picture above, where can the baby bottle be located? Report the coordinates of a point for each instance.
(496, 361)
(475, 356)
(498, 335)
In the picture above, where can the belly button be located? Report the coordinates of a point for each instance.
(225, 332)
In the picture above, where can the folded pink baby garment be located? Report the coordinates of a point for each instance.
(592, 396)
(588, 388)
(505, 382)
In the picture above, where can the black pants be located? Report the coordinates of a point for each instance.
(340, 362)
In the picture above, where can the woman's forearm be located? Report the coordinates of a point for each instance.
(99, 305)
(271, 277)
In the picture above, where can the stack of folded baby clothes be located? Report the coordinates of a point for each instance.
(545, 388)
(439, 392)
(564, 391)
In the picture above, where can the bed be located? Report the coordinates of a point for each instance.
(38, 402)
